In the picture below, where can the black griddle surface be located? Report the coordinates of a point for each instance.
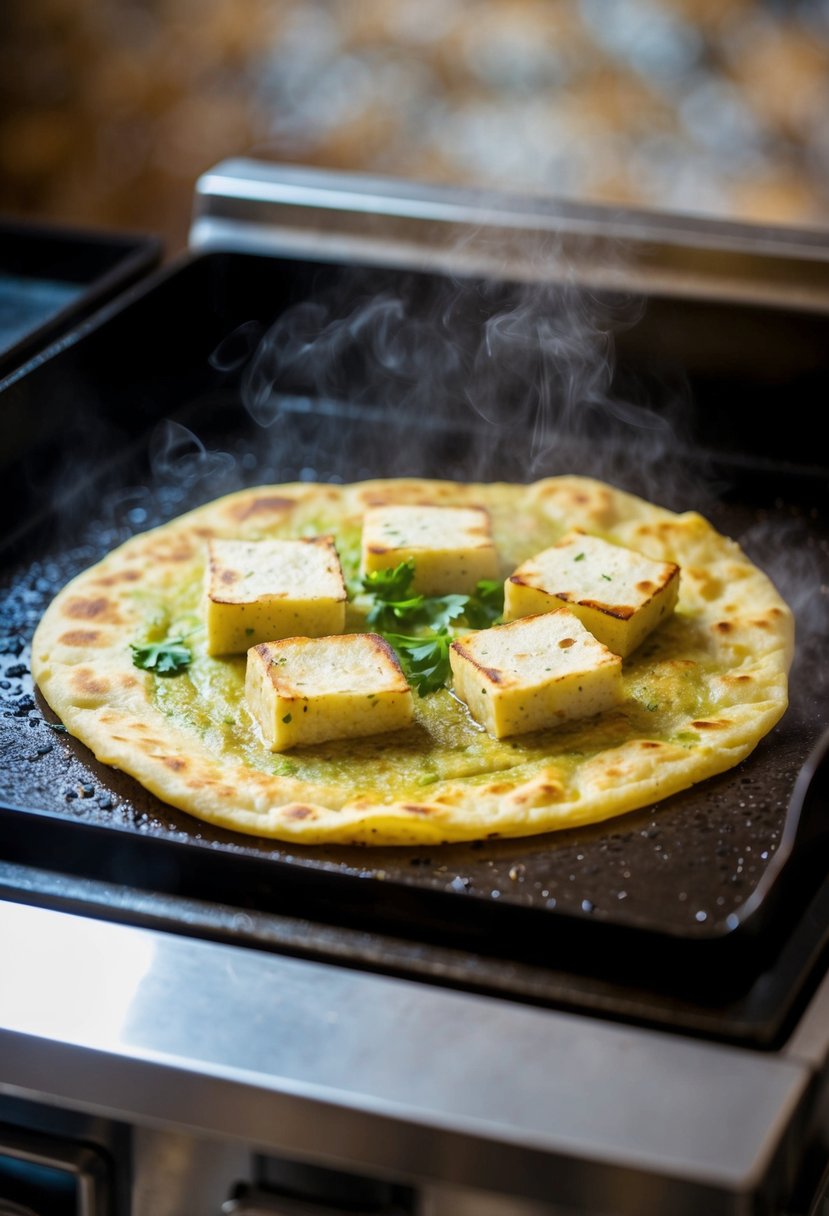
(687, 903)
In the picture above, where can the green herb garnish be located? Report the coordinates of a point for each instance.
(425, 660)
(424, 654)
(165, 658)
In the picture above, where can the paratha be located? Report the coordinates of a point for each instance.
(699, 693)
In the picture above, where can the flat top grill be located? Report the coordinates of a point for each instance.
(705, 913)
(264, 996)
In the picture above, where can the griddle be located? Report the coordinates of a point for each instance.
(51, 277)
(708, 912)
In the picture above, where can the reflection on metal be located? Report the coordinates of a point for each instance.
(390, 1077)
(257, 206)
(46, 1164)
(75, 973)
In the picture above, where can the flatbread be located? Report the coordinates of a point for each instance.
(700, 692)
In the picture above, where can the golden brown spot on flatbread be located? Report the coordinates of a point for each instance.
(649, 743)
(450, 798)
(174, 763)
(707, 586)
(182, 553)
(271, 504)
(128, 681)
(645, 586)
(415, 808)
(98, 609)
(613, 772)
(709, 724)
(405, 493)
(760, 622)
(678, 664)
(87, 683)
(80, 637)
(740, 679)
(499, 787)
(723, 627)
(566, 643)
(122, 576)
(298, 811)
(229, 576)
(540, 792)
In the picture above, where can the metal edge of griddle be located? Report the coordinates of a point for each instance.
(806, 827)
(701, 939)
(760, 1017)
(435, 929)
(131, 258)
(267, 207)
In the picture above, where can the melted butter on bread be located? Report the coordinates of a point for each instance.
(534, 673)
(261, 590)
(618, 594)
(309, 690)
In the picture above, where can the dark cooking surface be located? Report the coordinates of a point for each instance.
(677, 874)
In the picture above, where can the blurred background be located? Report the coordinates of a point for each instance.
(110, 109)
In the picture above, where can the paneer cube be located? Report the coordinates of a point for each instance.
(261, 590)
(309, 690)
(534, 673)
(452, 547)
(620, 595)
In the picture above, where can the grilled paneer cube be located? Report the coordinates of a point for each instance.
(620, 595)
(534, 673)
(261, 590)
(452, 547)
(308, 690)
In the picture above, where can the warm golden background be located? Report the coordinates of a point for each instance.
(110, 109)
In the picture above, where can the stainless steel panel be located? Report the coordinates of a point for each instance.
(83, 1167)
(259, 206)
(391, 1077)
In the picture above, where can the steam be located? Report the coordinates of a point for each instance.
(461, 377)
(178, 455)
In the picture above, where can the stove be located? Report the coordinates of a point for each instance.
(631, 1018)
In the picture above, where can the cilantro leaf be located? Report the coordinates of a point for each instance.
(166, 658)
(441, 610)
(386, 614)
(424, 655)
(425, 660)
(486, 605)
(391, 584)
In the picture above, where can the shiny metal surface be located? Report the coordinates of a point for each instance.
(392, 1077)
(258, 206)
(85, 1169)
